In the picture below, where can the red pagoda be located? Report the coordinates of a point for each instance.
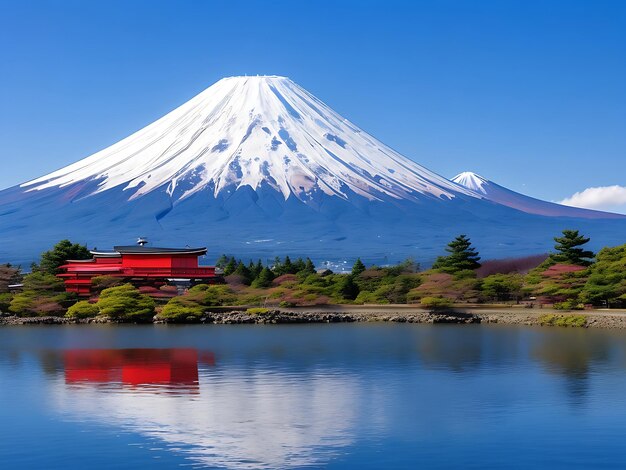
(139, 265)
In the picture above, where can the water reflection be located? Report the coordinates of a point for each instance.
(175, 368)
(235, 418)
(308, 396)
(573, 354)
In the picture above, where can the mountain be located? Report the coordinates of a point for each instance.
(501, 195)
(257, 166)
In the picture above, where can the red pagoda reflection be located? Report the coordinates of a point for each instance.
(175, 368)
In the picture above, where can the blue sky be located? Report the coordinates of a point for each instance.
(530, 94)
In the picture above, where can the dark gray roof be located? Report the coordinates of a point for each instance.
(153, 250)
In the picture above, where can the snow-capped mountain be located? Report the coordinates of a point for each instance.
(257, 166)
(246, 131)
(501, 195)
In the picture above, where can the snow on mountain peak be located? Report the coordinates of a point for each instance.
(253, 130)
(471, 181)
(500, 195)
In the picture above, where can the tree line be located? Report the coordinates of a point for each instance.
(569, 277)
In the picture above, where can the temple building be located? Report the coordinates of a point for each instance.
(143, 266)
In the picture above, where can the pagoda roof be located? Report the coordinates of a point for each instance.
(152, 250)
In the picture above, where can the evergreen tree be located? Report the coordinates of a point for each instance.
(299, 265)
(265, 278)
(258, 268)
(277, 268)
(243, 271)
(288, 267)
(222, 261)
(569, 249)
(309, 267)
(230, 267)
(463, 256)
(348, 289)
(358, 267)
(59, 255)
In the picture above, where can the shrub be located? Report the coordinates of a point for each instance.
(257, 311)
(182, 309)
(569, 305)
(502, 287)
(577, 321)
(436, 302)
(5, 301)
(43, 282)
(31, 303)
(125, 303)
(82, 309)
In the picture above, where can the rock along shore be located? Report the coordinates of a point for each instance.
(530, 318)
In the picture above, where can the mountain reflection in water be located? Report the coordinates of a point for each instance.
(230, 420)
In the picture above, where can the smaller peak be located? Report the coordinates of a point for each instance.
(471, 180)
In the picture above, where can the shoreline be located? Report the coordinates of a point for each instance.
(352, 314)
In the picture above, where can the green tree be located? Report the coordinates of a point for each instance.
(222, 261)
(358, 267)
(243, 271)
(125, 303)
(606, 284)
(569, 249)
(62, 252)
(265, 278)
(309, 267)
(299, 265)
(502, 287)
(43, 294)
(230, 267)
(463, 256)
(348, 289)
(42, 282)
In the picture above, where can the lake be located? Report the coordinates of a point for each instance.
(311, 396)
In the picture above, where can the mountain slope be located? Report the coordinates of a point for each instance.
(506, 197)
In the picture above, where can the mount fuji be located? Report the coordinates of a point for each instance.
(258, 166)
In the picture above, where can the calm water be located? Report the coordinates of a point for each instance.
(315, 396)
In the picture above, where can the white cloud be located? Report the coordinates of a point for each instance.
(606, 198)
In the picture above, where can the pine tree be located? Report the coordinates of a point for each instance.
(230, 267)
(59, 255)
(463, 256)
(277, 268)
(309, 267)
(258, 268)
(265, 279)
(288, 267)
(243, 271)
(569, 249)
(358, 267)
(299, 265)
(221, 262)
(348, 289)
